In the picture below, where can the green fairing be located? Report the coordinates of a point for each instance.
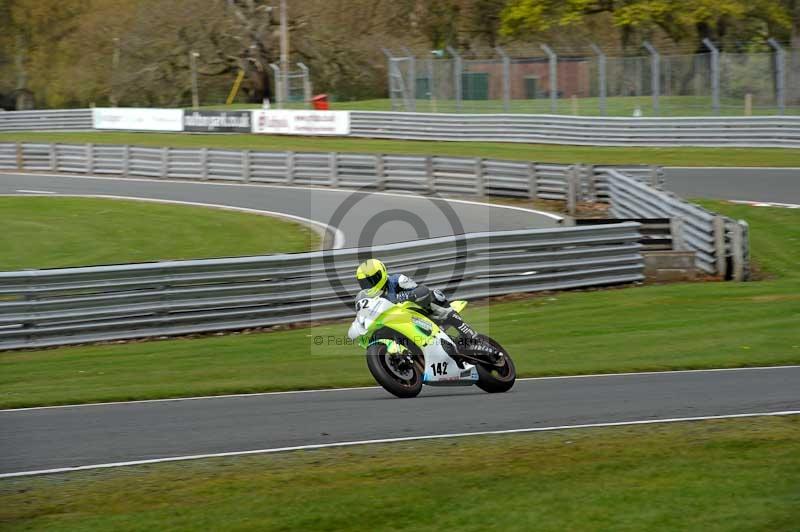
(402, 318)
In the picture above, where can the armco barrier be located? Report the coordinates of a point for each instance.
(416, 173)
(716, 240)
(720, 243)
(764, 131)
(51, 120)
(41, 308)
(773, 131)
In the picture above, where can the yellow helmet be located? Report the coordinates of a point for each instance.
(372, 276)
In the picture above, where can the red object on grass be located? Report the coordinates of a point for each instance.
(320, 102)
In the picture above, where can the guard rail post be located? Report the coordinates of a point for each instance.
(572, 190)
(430, 179)
(333, 168)
(204, 164)
(20, 157)
(164, 162)
(479, 177)
(737, 251)
(53, 156)
(90, 158)
(246, 165)
(676, 232)
(533, 181)
(380, 172)
(719, 246)
(591, 183)
(289, 167)
(126, 160)
(654, 177)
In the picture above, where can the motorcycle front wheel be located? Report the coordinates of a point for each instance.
(496, 378)
(398, 374)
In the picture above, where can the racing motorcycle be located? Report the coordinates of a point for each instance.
(406, 349)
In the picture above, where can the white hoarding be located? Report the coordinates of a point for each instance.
(302, 122)
(138, 119)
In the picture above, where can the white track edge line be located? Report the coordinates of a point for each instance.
(338, 240)
(35, 191)
(392, 440)
(321, 390)
(292, 187)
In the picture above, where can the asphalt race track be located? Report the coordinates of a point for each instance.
(781, 185)
(48, 438)
(63, 437)
(390, 217)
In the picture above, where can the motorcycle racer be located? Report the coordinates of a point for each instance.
(375, 281)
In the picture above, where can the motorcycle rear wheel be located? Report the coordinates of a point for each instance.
(380, 364)
(493, 378)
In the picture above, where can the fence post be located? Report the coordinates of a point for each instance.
(780, 75)
(714, 74)
(429, 177)
(552, 60)
(533, 181)
(90, 158)
(277, 93)
(748, 104)
(126, 161)
(479, 178)
(20, 157)
(676, 231)
(204, 164)
(380, 172)
(53, 157)
(738, 250)
(572, 190)
(590, 182)
(246, 165)
(654, 177)
(655, 74)
(290, 167)
(458, 69)
(306, 83)
(720, 250)
(601, 77)
(411, 100)
(333, 168)
(164, 162)
(506, 78)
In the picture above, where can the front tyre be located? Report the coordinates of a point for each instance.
(398, 374)
(498, 377)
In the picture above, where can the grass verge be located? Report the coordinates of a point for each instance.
(53, 232)
(712, 476)
(528, 152)
(619, 106)
(660, 327)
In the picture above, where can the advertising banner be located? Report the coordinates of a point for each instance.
(137, 119)
(302, 122)
(217, 121)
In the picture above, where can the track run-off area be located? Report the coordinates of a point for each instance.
(63, 438)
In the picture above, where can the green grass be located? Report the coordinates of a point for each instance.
(660, 327)
(52, 232)
(622, 106)
(498, 150)
(740, 475)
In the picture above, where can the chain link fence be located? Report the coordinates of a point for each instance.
(546, 82)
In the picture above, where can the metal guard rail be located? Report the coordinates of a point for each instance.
(755, 131)
(40, 308)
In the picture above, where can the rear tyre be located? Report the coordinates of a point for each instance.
(496, 378)
(399, 375)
